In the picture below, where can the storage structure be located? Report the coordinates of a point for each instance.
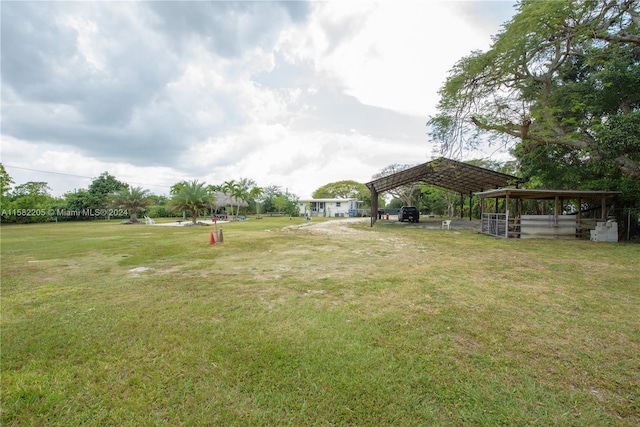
(509, 221)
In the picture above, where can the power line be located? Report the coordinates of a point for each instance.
(80, 176)
(51, 172)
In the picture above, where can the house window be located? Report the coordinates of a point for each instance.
(337, 204)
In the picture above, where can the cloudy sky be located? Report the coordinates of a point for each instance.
(295, 94)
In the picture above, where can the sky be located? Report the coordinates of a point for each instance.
(293, 94)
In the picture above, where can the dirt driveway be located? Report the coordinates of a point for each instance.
(341, 226)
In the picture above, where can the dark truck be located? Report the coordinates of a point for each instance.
(408, 213)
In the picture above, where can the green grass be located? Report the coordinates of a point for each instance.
(392, 325)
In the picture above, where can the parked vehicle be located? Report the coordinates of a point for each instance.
(408, 213)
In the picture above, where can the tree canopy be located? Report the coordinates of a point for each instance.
(342, 190)
(560, 85)
(101, 188)
(5, 181)
(404, 193)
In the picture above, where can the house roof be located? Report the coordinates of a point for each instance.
(446, 173)
(351, 199)
(222, 199)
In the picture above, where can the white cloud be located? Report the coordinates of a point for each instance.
(393, 55)
(288, 94)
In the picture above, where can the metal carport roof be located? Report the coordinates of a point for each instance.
(446, 173)
(442, 172)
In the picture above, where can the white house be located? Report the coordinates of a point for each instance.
(330, 207)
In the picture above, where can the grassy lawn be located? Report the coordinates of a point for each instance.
(291, 324)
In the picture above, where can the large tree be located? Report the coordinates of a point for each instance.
(33, 189)
(405, 193)
(343, 190)
(32, 200)
(77, 201)
(5, 182)
(269, 193)
(101, 189)
(563, 74)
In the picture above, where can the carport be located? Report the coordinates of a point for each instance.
(445, 173)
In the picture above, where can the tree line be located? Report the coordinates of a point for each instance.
(109, 198)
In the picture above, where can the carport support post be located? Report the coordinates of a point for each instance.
(470, 204)
(506, 216)
(579, 213)
(461, 205)
(374, 206)
(482, 229)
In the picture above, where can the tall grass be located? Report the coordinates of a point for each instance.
(287, 324)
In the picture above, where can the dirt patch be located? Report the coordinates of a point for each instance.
(139, 269)
(333, 227)
(342, 226)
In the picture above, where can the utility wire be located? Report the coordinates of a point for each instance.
(55, 173)
(80, 176)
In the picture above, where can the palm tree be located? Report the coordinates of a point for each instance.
(241, 195)
(235, 191)
(244, 192)
(256, 194)
(132, 199)
(191, 196)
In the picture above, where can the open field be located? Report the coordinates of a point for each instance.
(329, 323)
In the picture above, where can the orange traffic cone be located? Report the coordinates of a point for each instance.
(212, 239)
